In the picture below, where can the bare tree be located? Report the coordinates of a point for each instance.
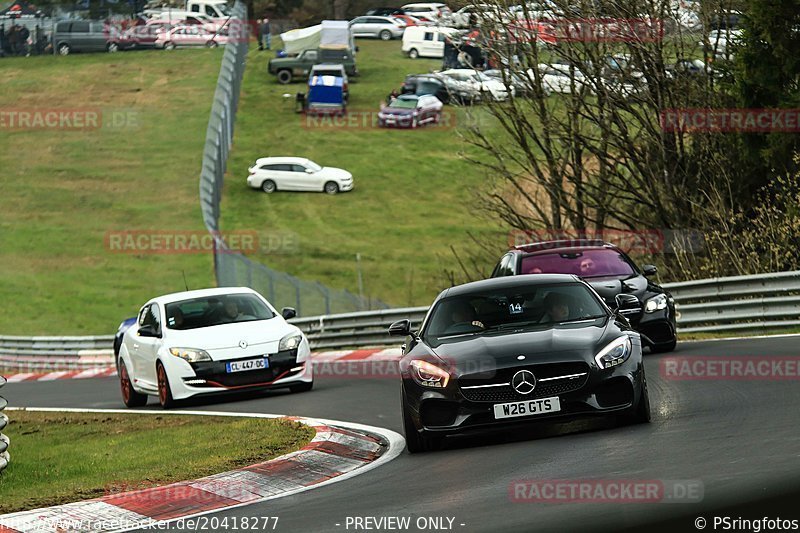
(592, 144)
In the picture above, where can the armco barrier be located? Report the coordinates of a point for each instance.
(367, 328)
(49, 354)
(736, 303)
(764, 301)
(4, 442)
(760, 302)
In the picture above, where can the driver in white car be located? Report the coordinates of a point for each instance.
(231, 313)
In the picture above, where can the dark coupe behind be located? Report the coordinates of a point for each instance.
(519, 350)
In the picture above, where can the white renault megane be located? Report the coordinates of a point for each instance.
(208, 341)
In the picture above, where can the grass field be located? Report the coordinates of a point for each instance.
(64, 190)
(126, 452)
(413, 190)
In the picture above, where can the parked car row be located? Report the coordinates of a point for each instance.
(165, 29)
(463, 86)
(434, 12)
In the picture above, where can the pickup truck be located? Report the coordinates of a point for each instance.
(298, 67)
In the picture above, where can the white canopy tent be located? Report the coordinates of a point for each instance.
(328, 34)
(295, 41)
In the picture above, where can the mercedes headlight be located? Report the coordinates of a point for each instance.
(193, 355)
(656, 303)
(429, 375)
(615, 353)
(290, 342)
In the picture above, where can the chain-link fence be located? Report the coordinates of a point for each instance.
(232, 268)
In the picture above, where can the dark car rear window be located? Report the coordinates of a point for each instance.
(585, 263)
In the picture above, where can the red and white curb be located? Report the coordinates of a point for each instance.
(338, 451)
(63, 374)
(335, 356)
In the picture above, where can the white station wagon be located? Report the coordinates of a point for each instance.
(272, 174)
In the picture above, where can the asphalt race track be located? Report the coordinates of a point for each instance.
(740, 439)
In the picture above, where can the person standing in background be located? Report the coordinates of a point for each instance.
(265, 30)
(259, 34)
(24, 35)
(14, 39)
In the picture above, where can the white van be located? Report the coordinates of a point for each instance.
(435, 11)
(217, 9)
(425, 41)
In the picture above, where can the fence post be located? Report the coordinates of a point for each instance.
(326, 294)
(4, 442)
(271, 277)
(296, 284)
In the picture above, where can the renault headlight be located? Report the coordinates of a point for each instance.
(656, 303)
(193, 355)
(615, 353)
(290, 342)
(429, 375)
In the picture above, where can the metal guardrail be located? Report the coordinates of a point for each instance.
(68, 345)
(760, 302)
(367, 328)
(737, 303)
(5, 458)
(50, 354)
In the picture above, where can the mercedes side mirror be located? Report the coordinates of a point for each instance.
(401, 328)
(649, 270)
(628, 305)
(288, 312)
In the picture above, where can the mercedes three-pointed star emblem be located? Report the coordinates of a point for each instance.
(524, 382)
